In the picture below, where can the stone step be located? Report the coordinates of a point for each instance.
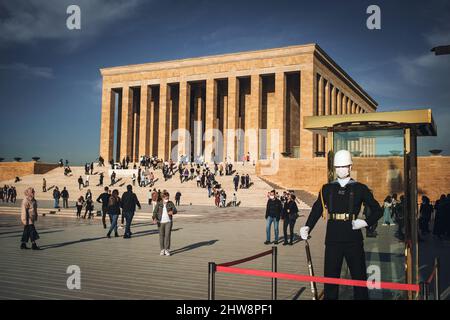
(253, 197)
(71, 213)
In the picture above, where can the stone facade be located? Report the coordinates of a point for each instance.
(10, 170)
(383, 175)
(149, 109)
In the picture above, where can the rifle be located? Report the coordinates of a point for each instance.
(311, 271)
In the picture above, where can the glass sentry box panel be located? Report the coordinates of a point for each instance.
(378, 162)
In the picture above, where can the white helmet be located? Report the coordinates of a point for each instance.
(342, 158)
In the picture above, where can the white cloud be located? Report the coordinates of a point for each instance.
(28, 71)
(424, 70)
(30, 20)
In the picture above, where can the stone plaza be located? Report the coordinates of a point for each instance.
(132, 269)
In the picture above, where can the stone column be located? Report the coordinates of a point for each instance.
(183, 119)
(210, 120)
(320, 107)
(320, 110)
(333, 100)
(163, 140)
(198, 123)
(327, 112)
(307, 101)
(279, 112)
(136, 129)
(327, 98)
(230, 131)
(254, 114)
(151, 109)
(349, 104)
(344, 104)
(127, 123)
(107, 125)
(168, 119)
(339, 103)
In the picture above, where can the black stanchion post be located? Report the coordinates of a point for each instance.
(274, 269)
(211, 280)
(422, 290)
(437, 289)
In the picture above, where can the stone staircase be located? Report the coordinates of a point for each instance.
(255, 196)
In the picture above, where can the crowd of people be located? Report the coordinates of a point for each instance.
(201, 172)
(8, 194)
(394, 213)
(114, 206)
(441, 210)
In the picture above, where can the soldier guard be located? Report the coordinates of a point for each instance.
(340, 203)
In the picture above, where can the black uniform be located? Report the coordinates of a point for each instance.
(341, 241)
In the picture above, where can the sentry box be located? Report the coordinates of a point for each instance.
(384, 150)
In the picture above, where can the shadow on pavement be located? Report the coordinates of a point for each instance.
(40, 232)
(63, 244)
(194, 246)
(149, 232)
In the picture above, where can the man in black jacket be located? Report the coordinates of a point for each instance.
(129, 203)
(103, 199)
(80, 183)
(273, 214)
(340, 203)
(236, 182)
(65, 197)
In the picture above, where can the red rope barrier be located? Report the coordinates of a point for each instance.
(304, 278)
(256, 256)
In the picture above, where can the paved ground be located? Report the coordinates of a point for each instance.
(132, 269)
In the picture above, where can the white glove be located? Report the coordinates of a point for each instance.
(359, 224)
(304, 231)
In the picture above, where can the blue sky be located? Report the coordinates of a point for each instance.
(50, 82)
